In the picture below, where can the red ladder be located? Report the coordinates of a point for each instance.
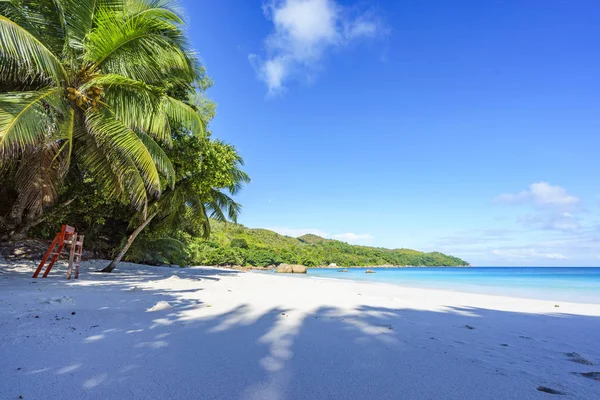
(67, 235)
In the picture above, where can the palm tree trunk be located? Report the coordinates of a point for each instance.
(18, 222)
(113, 264)
(15, 215)
(18, 231)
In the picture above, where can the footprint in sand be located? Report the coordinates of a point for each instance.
(549, 390)
(578, 358)
(57, 300)
(591, 375)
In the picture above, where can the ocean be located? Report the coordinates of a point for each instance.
(574, 284)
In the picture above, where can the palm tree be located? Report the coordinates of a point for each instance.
(197, 195)
(91, 83)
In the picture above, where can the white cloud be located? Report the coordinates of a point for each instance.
(345, 237)
(555, 256)
(352, 237)
(578, 247)
(555, 229)
(526, 254)
(554, 208)
(362, 27)
(541, 194)
(551, 221)
(303, 31)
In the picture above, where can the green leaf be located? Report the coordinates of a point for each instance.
(143, 46)
(26, 50)
(184, 115)
(138, 105)
(116, 173)
(23, 120)
(124, 143)
(160, 158)
(40, 179)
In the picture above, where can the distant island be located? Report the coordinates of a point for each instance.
(231, 244)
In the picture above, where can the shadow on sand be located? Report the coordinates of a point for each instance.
(279, 353)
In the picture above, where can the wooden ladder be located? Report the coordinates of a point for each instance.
(67, 235)
(76, 250)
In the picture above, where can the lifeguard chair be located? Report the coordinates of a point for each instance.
(66, 236)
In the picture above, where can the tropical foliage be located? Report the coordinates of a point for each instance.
(238, 245)
(94, 82)
(103, 121)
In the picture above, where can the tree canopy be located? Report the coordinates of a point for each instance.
(238, 245)
(103, 118)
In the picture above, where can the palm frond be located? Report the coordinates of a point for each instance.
(138, 105)
(184, 115)
(66, 130)
(159, 9)
(24, 120)
(239, 178)
(114, 172)
(19, 45)
(40, 177)
(80, 22)
(218, 204)
(15, 11)
(82, 14)
(44, 19)
(205, 223)
(160, 158)
(123, 143)
(140, 46)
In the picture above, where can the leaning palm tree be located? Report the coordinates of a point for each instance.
(197, 195)
(91, 83)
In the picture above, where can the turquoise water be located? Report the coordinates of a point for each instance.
(576, 284)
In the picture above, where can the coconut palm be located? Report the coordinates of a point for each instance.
(90, 83)
(197, 195)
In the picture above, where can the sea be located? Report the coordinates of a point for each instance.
(570, 284)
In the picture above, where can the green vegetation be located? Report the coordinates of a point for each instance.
(237, 245)
(103, 125)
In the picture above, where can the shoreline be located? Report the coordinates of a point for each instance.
(231, 334)
(423, 288)
(273, 267)
(523, 290)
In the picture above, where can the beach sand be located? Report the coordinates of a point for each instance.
(208, 333)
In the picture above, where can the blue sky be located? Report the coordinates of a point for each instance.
(472, 129)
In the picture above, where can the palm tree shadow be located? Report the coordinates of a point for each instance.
(331, 352)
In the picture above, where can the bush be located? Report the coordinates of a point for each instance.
(262, 257)
(239, 243)
(164, 250)
(310, 262)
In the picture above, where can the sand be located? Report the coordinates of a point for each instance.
(209, 333)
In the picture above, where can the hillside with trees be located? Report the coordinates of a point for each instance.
(231, 244)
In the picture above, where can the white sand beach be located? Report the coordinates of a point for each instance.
(208, 333)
